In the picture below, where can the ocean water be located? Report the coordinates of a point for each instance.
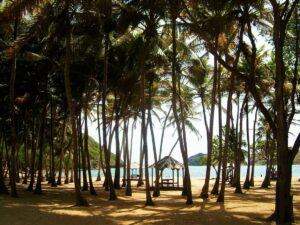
(199, 171)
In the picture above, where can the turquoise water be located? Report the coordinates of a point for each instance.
(199, 171)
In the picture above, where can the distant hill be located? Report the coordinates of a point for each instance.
(195, 159)
(95, 153)
(297, 159)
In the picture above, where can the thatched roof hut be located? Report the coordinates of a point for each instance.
(168, 162)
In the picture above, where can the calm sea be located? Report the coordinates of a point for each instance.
(199, 171)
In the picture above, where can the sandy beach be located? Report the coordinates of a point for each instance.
(56, 206)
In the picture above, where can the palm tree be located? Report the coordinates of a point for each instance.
(187, 181)
(80, 201)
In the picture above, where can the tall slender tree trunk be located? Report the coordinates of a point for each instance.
(80, 201)
(86, 145)
(26, 165)
(42, 133)
(100, 143)
(156, 192)
(144, 137)
(117, 139)
(247, 180)
(269, 164)
(3, 188)
(33, 152)
(141, 170)
(108, 177)
(215, 190)
(204, 192)
(62, 153)
(235, 137)
(226, 144)
(253, 149)
(187, 179)
(128, 191)
(239, 151)
(163, 132)
(284, 199)
(85, 186)
(52, 109)
(12, 115)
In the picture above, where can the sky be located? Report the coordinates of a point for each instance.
(195, 143)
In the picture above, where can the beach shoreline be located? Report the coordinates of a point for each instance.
(56, 206)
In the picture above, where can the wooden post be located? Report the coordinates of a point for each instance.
(183, 177)
(178, 178)
(173, 177)
(152, 176)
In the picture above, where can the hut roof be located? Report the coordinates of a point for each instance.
(168, 162)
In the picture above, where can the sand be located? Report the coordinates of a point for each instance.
(56, 206)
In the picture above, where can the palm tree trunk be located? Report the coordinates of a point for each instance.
(12, 116)
(156, 192)
(210, 133)
(53, 181)
(85, 186)
(215, 190)
(117, 139)
(86, 146)
(42, 133)
(266, 182)
(144, 137)
(226, 144)
(253, 148)
(187, 179)
(62, 153)
(247, 180)
(80, 201)
(3, 188)
(26, 156)
(100, 143)
(239, 152)
(33, 152)
(163, 132)
(108, 177)
(128, 191)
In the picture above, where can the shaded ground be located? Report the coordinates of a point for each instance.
(55, 206)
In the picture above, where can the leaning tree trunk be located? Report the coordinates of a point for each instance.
(80, 201)
(187, 179)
